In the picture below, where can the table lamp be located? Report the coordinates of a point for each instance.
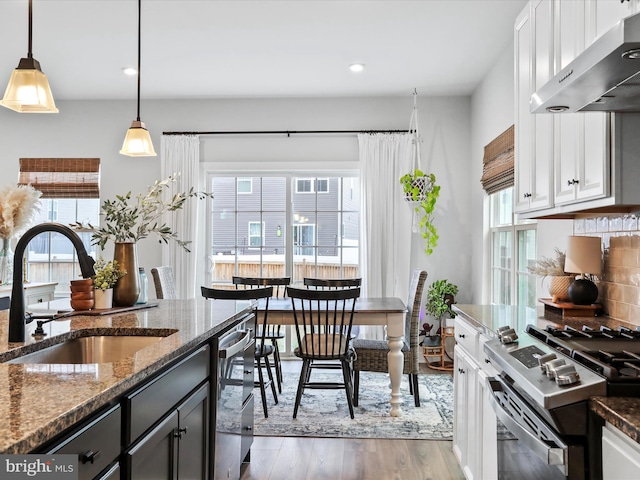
(584, 256)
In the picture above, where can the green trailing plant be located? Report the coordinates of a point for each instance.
(440, 297)
(107, 274)
(129, 218)
(421, 188)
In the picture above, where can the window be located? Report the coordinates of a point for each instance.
(304, 185)
(256, 238)
(70, 193)
(322, 185)
(513, 249)
(50, 256)
(285, 227)
(244, 185)
(248, 233)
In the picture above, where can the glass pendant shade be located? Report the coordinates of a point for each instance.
(137, 142)
(28, 90)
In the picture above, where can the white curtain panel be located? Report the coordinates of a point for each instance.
(386, 217)
(181, 154)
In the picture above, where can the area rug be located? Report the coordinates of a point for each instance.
(324, 413)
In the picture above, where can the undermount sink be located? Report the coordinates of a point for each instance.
(90, 349)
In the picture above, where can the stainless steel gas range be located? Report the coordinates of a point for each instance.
(542, 391)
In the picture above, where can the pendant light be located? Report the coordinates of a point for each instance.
(137, 142)
(28, 90)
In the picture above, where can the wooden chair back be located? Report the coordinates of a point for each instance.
(323, 320)
(331, 283)
(279, 284)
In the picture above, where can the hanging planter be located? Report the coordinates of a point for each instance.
(421, 190)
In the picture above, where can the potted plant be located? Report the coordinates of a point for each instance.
(107, 275)
(128, 219)
(440, 296)
(420, 189)
(554, 268)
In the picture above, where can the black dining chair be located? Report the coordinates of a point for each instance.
(5, 303)
(323, 320)
(262, 350)
(332, 284)
(273, 333)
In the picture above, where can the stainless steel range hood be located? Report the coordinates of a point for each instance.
(605, 77)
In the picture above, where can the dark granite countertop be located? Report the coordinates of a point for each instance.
(622, 412)
(38, 401)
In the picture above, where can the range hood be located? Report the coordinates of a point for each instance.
(603, 78)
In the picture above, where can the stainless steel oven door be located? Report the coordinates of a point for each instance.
(551, 455)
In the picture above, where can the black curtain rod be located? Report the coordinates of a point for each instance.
(284, 132)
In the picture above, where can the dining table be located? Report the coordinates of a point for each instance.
(389, 312)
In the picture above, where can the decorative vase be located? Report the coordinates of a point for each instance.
(6, 261)
(559, 287)
(103, 299)
(127, 290)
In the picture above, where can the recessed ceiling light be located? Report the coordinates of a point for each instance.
(129, 71)
(356, 67)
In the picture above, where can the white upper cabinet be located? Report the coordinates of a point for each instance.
(581, 160)
(533, 133)
(569, 162)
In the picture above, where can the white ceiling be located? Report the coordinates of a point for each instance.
(259, 48)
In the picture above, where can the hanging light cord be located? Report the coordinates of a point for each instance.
(139, 25)
(29, 53)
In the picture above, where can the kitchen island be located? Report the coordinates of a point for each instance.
(38, 402)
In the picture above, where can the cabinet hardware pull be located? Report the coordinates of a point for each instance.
(527, 195)
(573, 181)
(178, 433)
(248, 372)
(89, 457)
(460, 370)
(486, 360)
(249, 428)
(461, 335)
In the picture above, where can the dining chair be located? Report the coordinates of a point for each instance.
(371, 355)
(274, 333)
(323, 320)
(164, 282)
(332, 284)
(5, 303)
(262, 350)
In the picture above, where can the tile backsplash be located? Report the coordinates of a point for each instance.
(619, 284)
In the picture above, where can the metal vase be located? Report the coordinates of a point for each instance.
(126, 291)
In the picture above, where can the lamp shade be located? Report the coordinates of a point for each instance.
(28, 90)
(584, 255)
(137, 142)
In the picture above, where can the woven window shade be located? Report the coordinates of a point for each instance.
(62, 177)
(497, 171)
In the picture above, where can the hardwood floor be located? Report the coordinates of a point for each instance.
(310, 458)
(307, 458)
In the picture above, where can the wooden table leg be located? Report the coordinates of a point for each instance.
(396, 360)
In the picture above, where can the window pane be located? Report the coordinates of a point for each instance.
(502, 208)
(502, 249)
(526, 282)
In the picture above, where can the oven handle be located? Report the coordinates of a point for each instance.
(551, 455)
(235, 348)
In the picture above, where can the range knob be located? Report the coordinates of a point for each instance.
(567, 375)
(507, 335)
(544, 359)
(552, 366)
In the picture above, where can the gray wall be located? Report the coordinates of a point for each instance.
(97, 128)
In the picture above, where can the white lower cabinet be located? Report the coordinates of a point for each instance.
(474, 432)
(620, 455)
